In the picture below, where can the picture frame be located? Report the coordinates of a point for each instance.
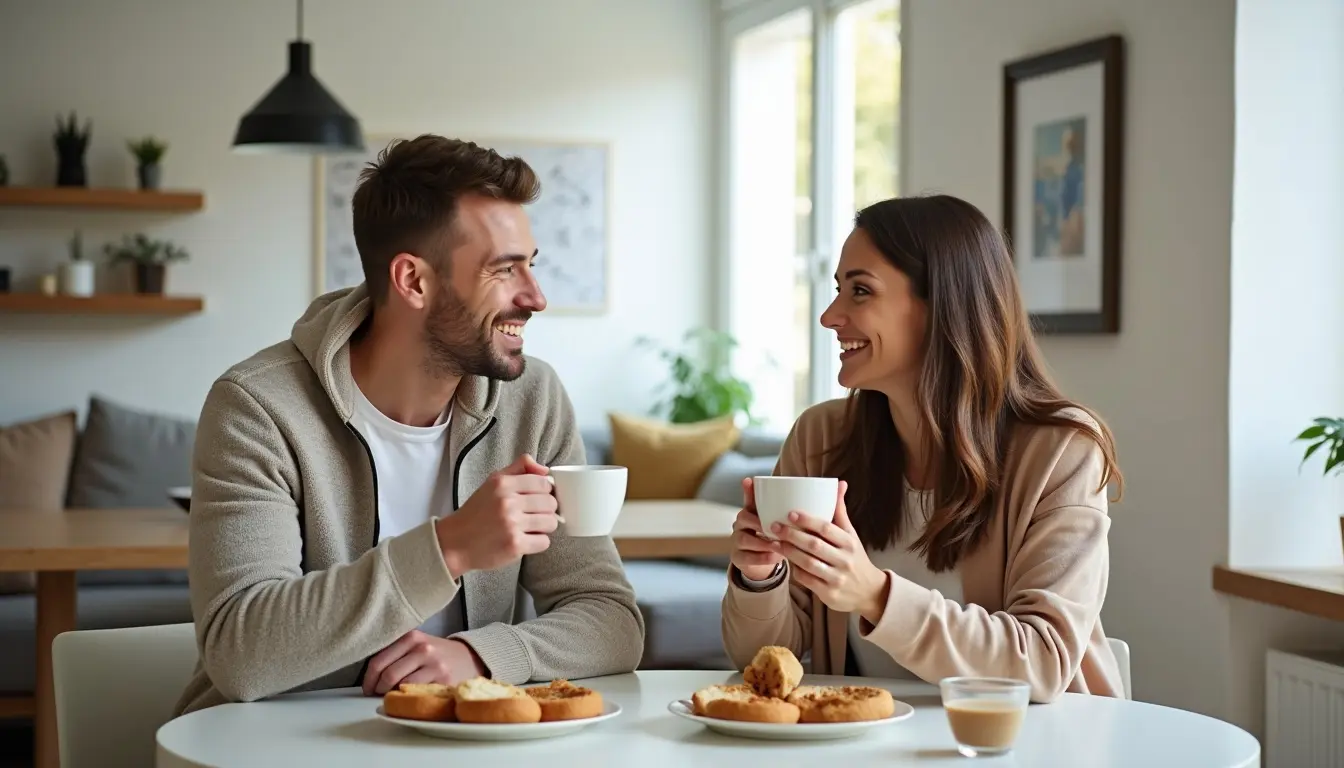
(571, 221)
(1063, 159)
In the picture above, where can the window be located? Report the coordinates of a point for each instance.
(813, 91)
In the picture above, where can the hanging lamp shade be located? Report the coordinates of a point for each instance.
(298, 114)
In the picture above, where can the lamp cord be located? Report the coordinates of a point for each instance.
(300, 4)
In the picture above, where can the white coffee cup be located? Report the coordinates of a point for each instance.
(590, 497)
(777, 496)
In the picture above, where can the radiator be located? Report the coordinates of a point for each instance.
(1304, 709)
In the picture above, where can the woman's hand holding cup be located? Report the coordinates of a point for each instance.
(754, 556)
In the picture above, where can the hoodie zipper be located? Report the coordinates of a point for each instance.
(457, 467)
(457, 473)
(373, 470)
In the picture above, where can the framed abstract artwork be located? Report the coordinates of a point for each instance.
(1063, 156)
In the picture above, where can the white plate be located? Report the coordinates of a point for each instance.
(503, 731)
(792, 732)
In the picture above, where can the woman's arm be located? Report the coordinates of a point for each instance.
(778, 613)
(1054, 587)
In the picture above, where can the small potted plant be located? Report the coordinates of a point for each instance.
(148, 152)
(701, 386)
(150, 257)
(77, 274)
(1326, 435)
(71, 144)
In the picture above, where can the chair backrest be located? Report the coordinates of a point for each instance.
(1121, 650)
(115, 687)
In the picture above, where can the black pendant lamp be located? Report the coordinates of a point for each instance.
(298, 114)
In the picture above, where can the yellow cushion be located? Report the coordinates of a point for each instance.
(665, 460)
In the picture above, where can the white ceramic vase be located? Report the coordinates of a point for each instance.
(77, 278)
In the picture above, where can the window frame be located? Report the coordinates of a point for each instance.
(734, 18)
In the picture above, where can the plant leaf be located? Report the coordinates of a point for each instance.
(1336, 458)
(1311, 432)
(1312, 450)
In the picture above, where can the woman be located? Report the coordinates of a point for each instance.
(969, 537)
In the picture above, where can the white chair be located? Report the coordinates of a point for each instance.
(1121, 650)
(115, 687)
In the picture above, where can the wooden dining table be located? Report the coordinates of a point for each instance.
(56, 545)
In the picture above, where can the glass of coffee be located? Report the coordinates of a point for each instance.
(985, 713)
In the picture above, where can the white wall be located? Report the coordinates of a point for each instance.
(637, 74)
(1162, 382)
(1287, 274)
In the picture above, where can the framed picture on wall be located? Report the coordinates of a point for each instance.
(1063, 152)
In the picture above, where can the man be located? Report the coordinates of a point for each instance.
(369, 495)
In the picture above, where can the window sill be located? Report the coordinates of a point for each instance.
(1313, 591)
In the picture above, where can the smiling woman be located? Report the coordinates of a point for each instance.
(964, 472)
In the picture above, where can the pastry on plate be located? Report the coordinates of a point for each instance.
(421, 701)
(481, 700)
(774, 672)
(562, 700)
(740, 702)
(842, 703)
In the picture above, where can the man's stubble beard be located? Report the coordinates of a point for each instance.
(455, 345)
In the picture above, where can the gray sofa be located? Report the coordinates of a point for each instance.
(123, 458)
(128, 458)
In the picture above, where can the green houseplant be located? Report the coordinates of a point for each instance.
(150, 257)
(701, 385)
(148, 152)
(71, 144)
(1326, 435)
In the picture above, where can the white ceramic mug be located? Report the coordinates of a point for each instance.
(776, 497)
(590, 497)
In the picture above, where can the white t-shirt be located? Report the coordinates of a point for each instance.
(414, 483)
(872, 660)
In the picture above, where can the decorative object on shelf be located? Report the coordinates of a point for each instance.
(148, 152)
(4, 279)
(71, 144)
(1328, 433)
(77, 274)
(702, 386)
(47, 284)
(150, 257)
(298, 114)
(1063, 133)
(4, 171)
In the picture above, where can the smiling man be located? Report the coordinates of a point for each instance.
(369, 496)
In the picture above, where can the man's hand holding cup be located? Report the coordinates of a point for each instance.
(511, 515)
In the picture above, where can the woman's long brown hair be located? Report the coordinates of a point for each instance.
(982, 376)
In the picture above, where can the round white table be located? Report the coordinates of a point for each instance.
(335, 729)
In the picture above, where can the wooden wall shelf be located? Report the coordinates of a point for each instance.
(109, 199)
(101, 304)
(1314, 591)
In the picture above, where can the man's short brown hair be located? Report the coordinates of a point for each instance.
(406, 200)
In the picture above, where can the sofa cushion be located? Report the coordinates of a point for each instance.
(682, 608)
(665, 460)
(129, 458)
(723, 482)
(758, 444)
(34, 473)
